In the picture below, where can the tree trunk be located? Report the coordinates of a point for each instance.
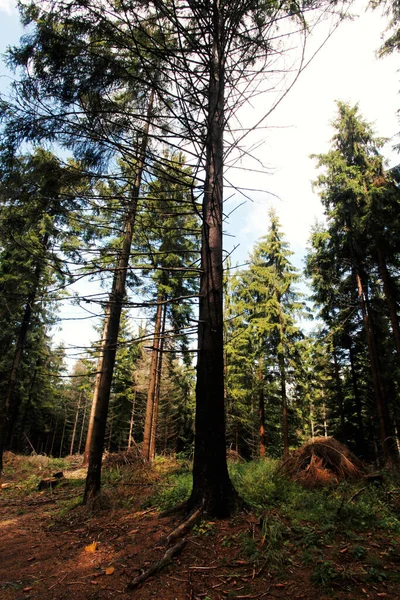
(62, 437)
(146, 446)
(381, 404)
(102, 398)
(390, 301)
(261, 411)
(75, 424)
(158, 387)
(53, 438)
(340, 396)
(312, 428)
(103, 343)
(212, 488)
(282, 370)
(325, 422)
(9, 407)
(132, 419)
(360, 438)
(82, 425)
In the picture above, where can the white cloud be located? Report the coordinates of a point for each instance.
(7, 6)
(346, 69)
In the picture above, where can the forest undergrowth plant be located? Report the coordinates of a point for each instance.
(274, 533)
(171, 491)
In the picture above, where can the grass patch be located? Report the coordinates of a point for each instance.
(173, 487)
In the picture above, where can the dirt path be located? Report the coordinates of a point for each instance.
(51, 550)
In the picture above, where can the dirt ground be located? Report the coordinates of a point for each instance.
(51, 550)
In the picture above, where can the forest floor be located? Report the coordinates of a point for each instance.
(342, 544)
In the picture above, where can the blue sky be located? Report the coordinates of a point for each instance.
(346, 69)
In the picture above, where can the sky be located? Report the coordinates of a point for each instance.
(346, 69)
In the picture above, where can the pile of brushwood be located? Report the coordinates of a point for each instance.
(132, 457)
(322, 461)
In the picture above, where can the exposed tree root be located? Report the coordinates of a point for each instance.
(175, 510)
(185, 526)
(157, 565)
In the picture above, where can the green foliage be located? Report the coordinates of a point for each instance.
(173, 490)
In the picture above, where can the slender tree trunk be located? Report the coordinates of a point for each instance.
(9, 406)
(261, 410)
(390, 301)
(360, 437)
(53, 438)
(158, 387)
(62, 437)
(312, 421)
(282, 370)
(82, 425)
(110, 433)
(146, 446)
(212, 488)
(100, 410)
(132, 419)
(78, 407)
(325, 421)
(381, 404)
(340, 396)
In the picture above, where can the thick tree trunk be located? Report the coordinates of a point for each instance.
(389, 450)
(103, 343)
(148, 425)
(100, 408)
(390, 301)
(212, 488)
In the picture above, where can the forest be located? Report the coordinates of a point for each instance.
(217, 390)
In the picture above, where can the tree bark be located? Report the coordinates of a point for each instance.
(75, 424)
(132, 419)
(340, 396)
(390, 301)
(212, 487)
(360, 437)
(381, 404)
(148, 425)
(89, 433)
(261, 411)
(100, 408)
(153, 437)
(82, 425)
(284, 406)
(9, 407)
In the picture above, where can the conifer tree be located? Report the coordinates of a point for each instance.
(357, 195)
(268, 304)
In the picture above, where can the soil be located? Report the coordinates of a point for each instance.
(53, 550)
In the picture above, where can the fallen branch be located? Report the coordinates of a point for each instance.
(184, 527)
(350, 499)
(157, 565)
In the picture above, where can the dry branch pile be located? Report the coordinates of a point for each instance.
(322, 461)
(122, 459)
